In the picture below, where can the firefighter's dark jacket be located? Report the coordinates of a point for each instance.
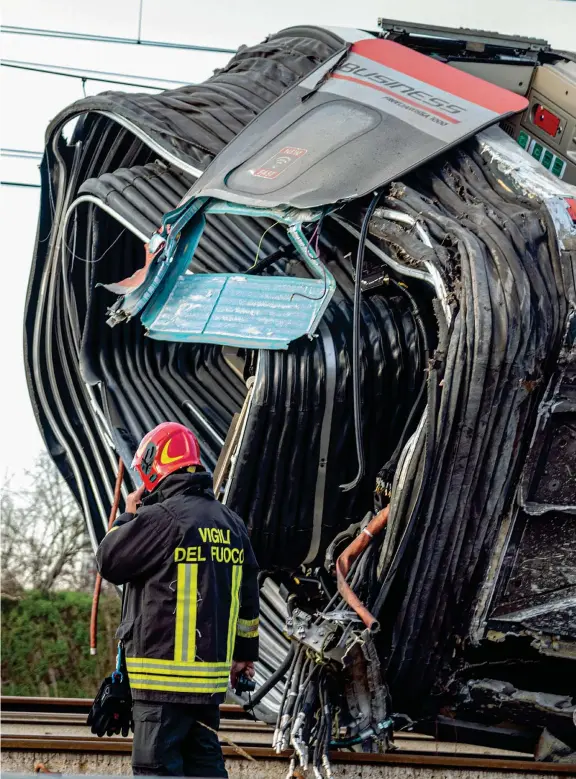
(191, 598)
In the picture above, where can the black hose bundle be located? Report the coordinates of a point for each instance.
(486, 377)
(455, 467)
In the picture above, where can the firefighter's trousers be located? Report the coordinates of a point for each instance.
(169, 740)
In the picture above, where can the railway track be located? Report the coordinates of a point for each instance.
(14, 704)
(57, 725)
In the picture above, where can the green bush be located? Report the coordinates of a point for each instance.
(45, 644)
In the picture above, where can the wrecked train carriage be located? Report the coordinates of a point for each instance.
(337, 352)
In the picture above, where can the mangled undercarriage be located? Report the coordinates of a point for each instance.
(376, 356)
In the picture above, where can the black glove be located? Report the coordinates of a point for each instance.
(111, 712)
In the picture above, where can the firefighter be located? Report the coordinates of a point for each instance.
(191, 605)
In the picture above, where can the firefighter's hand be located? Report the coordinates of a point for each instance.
(240, 667)
(134, 499)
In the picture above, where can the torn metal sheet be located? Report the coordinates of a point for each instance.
(498, 700)
(238, 310)
(138, 278)
(226, 309)
(519, 172)
(361, 119)
(345, 130)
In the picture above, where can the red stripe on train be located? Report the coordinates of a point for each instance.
(440, 75)
(397, 96)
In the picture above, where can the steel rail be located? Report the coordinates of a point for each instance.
(405, 757)
(417, 749)
(17, 703)
(73, 719)
(243, 726)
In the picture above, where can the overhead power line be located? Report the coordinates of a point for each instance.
(81, 36)
(92, 75)
(24, 154)
(19, 184)
(140, 10)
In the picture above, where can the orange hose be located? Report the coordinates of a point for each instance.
(98, 582)
(344, 563)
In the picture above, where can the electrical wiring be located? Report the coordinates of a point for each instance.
(97, 259)
(356, 355)
(267, 230)
(316, 238)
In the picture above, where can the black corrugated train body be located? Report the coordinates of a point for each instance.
(89, 382)
(96, 390)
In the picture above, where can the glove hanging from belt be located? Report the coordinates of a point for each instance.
(111, 712)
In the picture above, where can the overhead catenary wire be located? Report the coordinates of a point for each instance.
(19, 184)
(24, 154)
(86, 74)
(21, 154)
(140, 10)
(81, 36)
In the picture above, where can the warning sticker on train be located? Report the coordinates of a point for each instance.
(279, 162)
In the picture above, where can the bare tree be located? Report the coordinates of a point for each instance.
(44, 541)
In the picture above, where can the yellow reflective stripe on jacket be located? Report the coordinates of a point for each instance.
(146, 665)
(178, 684)
(247, 628)
(234, 609)
(186, 607)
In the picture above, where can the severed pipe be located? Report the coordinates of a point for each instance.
(344, 563)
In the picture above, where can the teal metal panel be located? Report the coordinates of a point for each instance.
(233, 309)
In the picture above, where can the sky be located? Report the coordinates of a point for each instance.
(30, 100)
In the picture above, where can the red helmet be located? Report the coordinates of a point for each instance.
(167, 448)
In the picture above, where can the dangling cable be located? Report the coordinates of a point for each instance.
(260, 242)
(316, 238)
(356, 356)
(272, 680)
